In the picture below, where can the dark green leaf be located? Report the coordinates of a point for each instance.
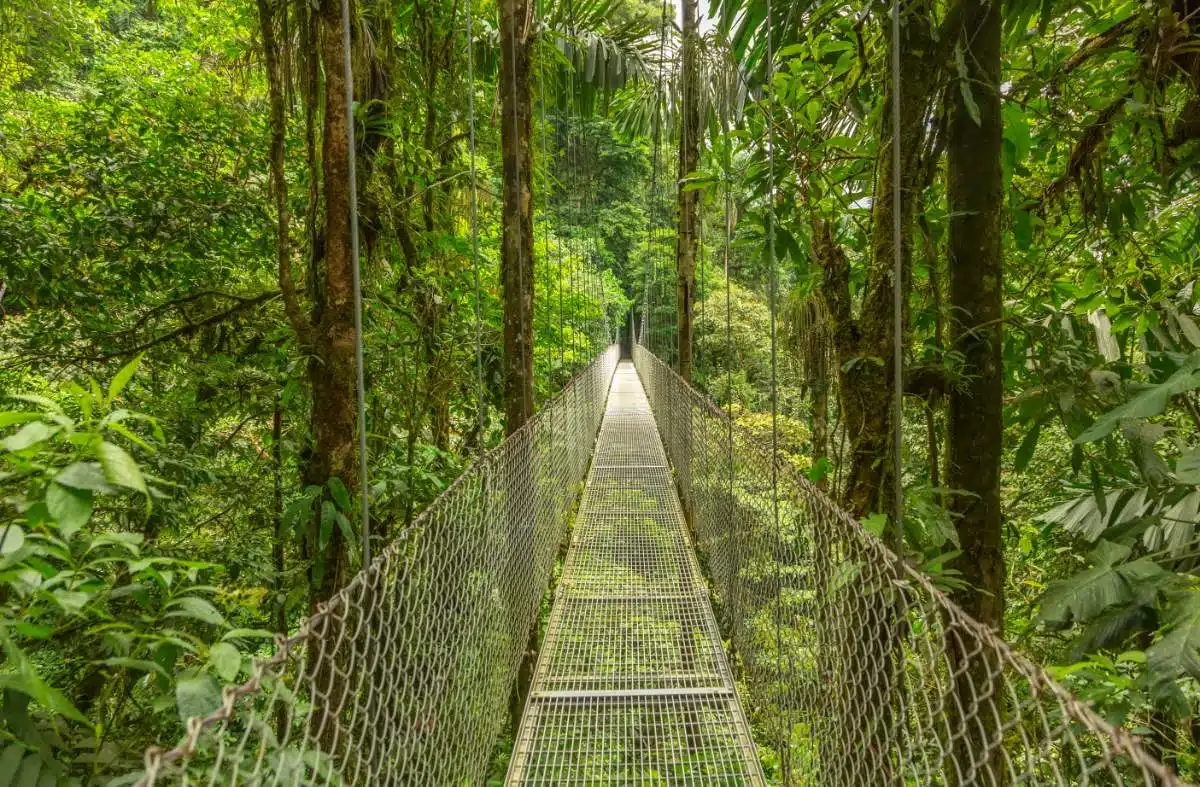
(28, 435)
(1025, 450)
(122, 378)
(82, 475)
(196, 608)
(197, 696)
(71, 508)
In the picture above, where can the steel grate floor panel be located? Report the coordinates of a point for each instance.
(672, 740)
(631, 558)
(632, 686)
(631, 642)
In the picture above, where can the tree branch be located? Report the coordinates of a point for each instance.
(186, 330)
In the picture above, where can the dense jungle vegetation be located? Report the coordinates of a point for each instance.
(178, 460)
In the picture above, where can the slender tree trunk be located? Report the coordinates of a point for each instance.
(277, 544)
(934, 404)
(331, 371)
(975, 201)
(516, 132)
(516, 273)
(272, 56)
(866, 388)
(689, 199)
(818, 384)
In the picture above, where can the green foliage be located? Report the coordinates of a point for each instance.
(96, 622)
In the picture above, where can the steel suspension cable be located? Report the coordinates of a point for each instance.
(897, 291)
(356, 283)
(657, 120)
(546, 246)
(773, 297)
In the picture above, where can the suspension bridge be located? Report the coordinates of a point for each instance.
(715, 618)
(805, 651)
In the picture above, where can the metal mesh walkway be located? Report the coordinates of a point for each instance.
(632, 685)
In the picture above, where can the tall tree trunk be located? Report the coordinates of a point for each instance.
(516, 132)
(277, 543)
(818, 385)
(975, 427)
(331, 370)
(516, 273)
(689, 199)
(272, 57)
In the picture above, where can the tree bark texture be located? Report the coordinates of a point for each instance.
(516, 265)
(686, 243)
(975, 425)
(331, 368)
(516, 273)
(866, 385)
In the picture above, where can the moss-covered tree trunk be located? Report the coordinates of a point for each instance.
(516, 264)
(866, 385)
(686, 242)
(975, 427)
(331, 370)
(516, 133)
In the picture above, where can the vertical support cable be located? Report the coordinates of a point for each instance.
(479, 398)
(785, 744)
(897, 291)
(657, 120)
(352, 164)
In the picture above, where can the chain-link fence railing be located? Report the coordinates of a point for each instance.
(858, 670)
(403, 678)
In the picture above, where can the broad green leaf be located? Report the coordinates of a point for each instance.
(1025, 450)
(1177, 654)
(1148, 403)
(30, 434)
(14, 418)
(12, 538)
(1084, 517)
(10, 761)
(1187, 326)
(196, 608)
(328, 515)
(1022, 228)
(1187, 467)
(71, 508)
(129, 435)
(82, 475)
(226, 661)
(340, 494)
(137, 665)
(875, 524)
(48, 405)
(23, 677)
(248, 634)
(1083, 596)
(197, 696)
(121, 469)
(126, 540)
(122, 378)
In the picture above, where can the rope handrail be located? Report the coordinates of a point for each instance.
(909, 600)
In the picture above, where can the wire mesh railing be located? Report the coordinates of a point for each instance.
(858, 670)
(404, 676)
